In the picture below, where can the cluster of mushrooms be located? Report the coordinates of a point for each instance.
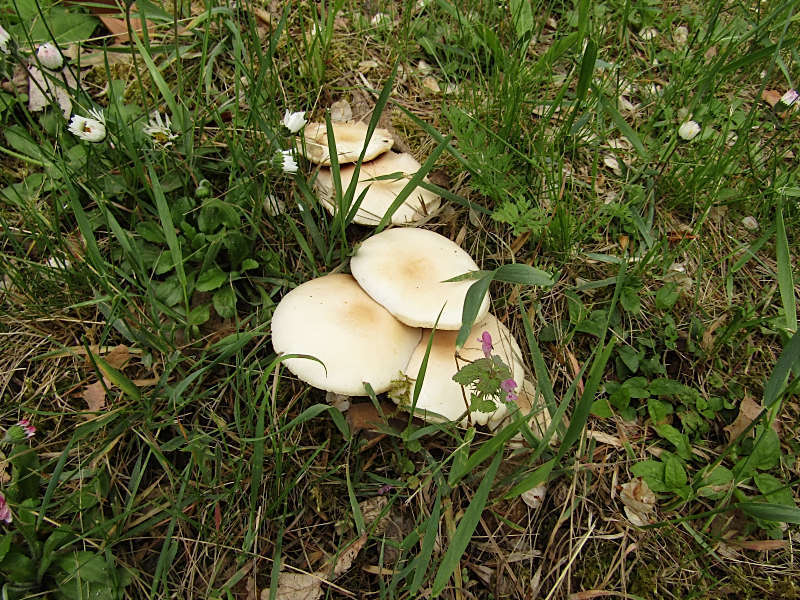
(373, 326)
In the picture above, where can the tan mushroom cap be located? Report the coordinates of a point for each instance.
(333, 319)
(405, 270)
(350, 138)
(440, 395)
(380, 192)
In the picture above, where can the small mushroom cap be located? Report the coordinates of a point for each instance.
(381, 192)
(334, 320)
(405, 271)
(350, 138)
(443, 396)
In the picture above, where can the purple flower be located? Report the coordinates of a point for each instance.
(509, 385)
(486, 343)
(385, 489)
(5, 511)
(29, 429)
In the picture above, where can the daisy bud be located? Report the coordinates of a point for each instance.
(789, 98)
(49, 57)
(689, 130)
(294, 122)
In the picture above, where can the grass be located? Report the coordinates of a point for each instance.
(203, 468)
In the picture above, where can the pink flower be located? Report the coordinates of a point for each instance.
(5, 511)
(509, 386)
(30, 430)
(486, 343)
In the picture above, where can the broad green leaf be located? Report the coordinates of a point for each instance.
(224, 301)
(211, 279)
(522, 16)
(674, 473)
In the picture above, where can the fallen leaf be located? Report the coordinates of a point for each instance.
(431, 84)
(53, 87)
(308, 586)
(639, 501)
(371, 509)
(95, 396)
(534, 496)
(346, 558)
(771, 97)
(296, 586)
(749, 409)
(341, 111)
(118, 356)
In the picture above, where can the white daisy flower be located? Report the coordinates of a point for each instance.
(49, 56)
(90, 129)
(288, 163)
(689, 130)
(4, 39)
(160, 130)
(294, 122)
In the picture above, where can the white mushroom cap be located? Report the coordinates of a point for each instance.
(404, 270)
(381, 192)
(332, 319)
(350, 138)
(443, 396)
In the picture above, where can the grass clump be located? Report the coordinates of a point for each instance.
(174, 456)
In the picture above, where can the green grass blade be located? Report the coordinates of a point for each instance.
(523, 274)
(169, 232)
(621, 123)
(785, 283)
(771, 512)
(777, 379)
(466, 527)
(472, 303)
(423, 560)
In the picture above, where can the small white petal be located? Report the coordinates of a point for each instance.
(4, 39)
(288, 163)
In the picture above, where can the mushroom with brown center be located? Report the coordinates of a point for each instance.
(406, 270)
(440, 396)
(381, 190)
(350, 139)
(354, 338)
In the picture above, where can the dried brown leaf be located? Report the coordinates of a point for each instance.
(118, 356)
(95, 396)
(748, 411)
(296, 586)
(771, 97)
(639, 501)
(346, 558)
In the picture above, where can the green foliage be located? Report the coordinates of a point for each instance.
(483, 377)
